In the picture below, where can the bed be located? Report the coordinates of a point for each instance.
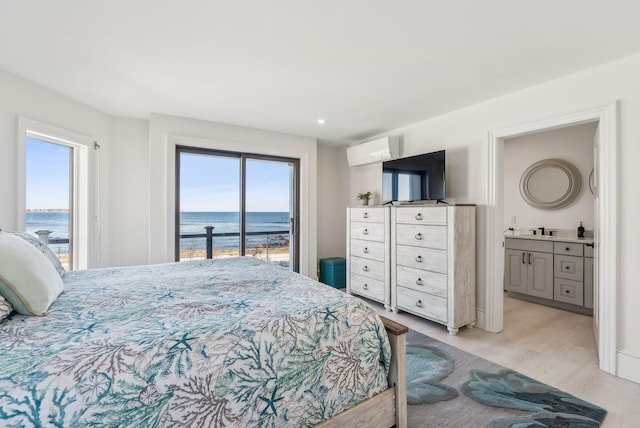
(230, 342)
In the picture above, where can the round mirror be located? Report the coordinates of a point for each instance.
(550, 184)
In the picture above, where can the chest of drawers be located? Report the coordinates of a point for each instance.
(433, 263)
(368, 269)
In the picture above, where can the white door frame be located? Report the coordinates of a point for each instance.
(608, 203)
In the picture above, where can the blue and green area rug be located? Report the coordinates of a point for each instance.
(447, 387)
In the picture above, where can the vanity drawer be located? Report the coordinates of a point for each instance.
(422, 236)
(528, 245)
(369, 268)
(422, 215)
(422, 258)
(367, 287)
(368, 215)
(422, 280)
(568, 267)
(426, 305)
(568, 248)
(368, 249)
(568, 291)
(367, 231)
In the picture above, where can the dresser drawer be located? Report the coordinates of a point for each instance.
(568, 248)
(568, 267)
(368, 215)
(422, 280)
(422, 236)
(422, 215)
(367, 231)
(422, 258)
(368, 249)
(568, 291)
(367, 287)
(369, 268)
(426, 305)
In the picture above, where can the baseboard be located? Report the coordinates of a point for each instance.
(628, 366)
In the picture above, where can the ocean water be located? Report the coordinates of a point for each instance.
(229, 222)
(190, 223)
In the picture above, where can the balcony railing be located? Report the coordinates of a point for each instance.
(43, 235)
(209, 238)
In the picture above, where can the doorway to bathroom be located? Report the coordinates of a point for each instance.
(606, 206)
(549, 222)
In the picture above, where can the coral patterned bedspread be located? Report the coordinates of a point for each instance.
(226, 342)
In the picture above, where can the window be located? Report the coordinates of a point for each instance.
(49, 196)
(53, 190)
(248, 204)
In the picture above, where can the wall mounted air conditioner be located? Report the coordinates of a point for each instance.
(379, 150)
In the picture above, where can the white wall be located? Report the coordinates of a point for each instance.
(128, 208)
(333, 200)
(165, 132)
(463, 133)
(23, 98)
(573, 144)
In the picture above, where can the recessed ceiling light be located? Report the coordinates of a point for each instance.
(321, 121)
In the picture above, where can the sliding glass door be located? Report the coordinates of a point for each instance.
(230, 204)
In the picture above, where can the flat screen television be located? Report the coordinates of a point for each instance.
(414, 178)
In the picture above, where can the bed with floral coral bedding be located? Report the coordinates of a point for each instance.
(226, 342)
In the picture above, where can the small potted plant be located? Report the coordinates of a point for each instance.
(364, 197)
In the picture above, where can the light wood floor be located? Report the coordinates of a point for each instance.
(551, 345)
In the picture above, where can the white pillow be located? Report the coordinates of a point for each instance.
(28, 280)
(5, 308)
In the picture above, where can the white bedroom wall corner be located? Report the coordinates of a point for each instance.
(333, 198)
(128, 206)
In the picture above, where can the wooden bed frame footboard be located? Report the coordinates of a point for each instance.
(388, 408)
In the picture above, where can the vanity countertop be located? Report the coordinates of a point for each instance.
(550, 238)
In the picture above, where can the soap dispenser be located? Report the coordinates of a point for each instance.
(581, 231)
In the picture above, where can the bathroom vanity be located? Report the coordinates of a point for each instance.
(550, 270)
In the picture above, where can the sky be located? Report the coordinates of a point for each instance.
(47, 175)
(208, 183)
(212, 183)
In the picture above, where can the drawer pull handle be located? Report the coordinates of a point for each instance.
(567, 291)
(419, 304)
(365, 286)
(419, 259)
(366, 250)
(419, 236)
(365, 215)
(365, 232)
(568, 249)
(419, 216)
(365, 268)
(567, 267)
(419, 281)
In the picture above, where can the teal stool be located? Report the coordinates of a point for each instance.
(333, 272)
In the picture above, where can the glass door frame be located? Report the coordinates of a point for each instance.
(294, 211)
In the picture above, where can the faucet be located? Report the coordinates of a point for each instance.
(541, 229)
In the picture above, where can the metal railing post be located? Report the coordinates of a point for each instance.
(43, 235)
(209, 237)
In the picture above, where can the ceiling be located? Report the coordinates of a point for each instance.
(366, 66)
